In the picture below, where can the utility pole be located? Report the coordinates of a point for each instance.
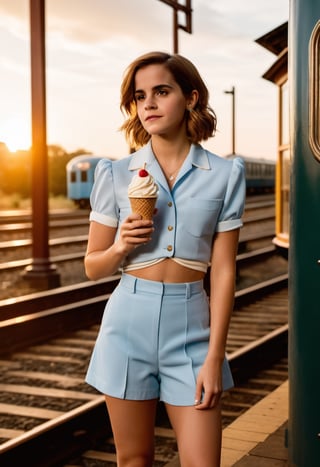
(187, 27)
(233, 93)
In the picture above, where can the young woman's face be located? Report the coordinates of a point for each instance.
(161, 104)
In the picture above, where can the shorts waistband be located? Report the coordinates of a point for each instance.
(160, 288)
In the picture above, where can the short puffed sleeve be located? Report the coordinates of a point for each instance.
(234, 200)
(102, 199)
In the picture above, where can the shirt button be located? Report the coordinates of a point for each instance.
(170, 204)
(169, 247)
(170, 228)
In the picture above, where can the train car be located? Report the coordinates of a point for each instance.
(298, 215)
(80, 175)
(304, 251)
(260, 174)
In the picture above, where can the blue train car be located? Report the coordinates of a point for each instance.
(260, 174)
(80, 175)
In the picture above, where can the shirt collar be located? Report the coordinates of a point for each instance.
(142, 156)
(197, 157)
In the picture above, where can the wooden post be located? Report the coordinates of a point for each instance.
(41, 273)
(187, 10)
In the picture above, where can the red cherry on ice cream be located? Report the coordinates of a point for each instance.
(143, 173)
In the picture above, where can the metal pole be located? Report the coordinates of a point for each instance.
(233, 93)
(187, 10)
(175, 32)
(41, 273)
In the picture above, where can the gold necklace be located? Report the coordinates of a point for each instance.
(173, 175)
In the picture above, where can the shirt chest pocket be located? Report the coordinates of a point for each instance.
(200, 216)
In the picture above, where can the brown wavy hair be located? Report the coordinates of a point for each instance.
(201, 121)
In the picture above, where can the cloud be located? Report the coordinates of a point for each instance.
(90, 42)
(82, 22)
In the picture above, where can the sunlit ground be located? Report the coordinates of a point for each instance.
(15, 201)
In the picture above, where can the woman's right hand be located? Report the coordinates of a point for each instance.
(134, 231)
(105, 255)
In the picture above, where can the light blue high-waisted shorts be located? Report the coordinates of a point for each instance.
(152, 342)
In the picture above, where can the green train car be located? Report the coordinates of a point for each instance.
(304, 233)
(296, 73)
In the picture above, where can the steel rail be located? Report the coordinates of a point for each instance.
(80, 239)
(58, 224)
(26, 242)
(242, 258)
(25, 327)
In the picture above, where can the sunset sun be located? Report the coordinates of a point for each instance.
(15, 133)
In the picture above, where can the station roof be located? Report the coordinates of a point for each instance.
(276, 40)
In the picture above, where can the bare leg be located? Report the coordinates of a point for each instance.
(133, 430)
(198, 435)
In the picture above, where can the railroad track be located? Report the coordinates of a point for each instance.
(46, 410)
(242, 259)
(20, 222)
(17, 244)
(249, 233)
(68, 249)
(25, 217)
(45, 314)
(22, 219)
(39, 381)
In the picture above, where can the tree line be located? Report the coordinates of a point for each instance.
(15, 173)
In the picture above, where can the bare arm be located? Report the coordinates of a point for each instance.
(222, 288)
(105, 254)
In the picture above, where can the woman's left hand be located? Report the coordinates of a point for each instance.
(209, 385)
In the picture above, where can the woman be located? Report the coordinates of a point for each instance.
(160, 337)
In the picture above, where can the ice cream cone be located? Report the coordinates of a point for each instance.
(143, 206)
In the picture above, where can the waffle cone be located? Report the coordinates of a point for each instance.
(143, 206)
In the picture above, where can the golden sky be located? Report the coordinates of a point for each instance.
(91, 42)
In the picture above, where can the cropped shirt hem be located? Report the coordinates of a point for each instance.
(187, 263)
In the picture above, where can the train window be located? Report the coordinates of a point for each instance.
(271, 170)
(73, 176)
(314, 98)
(285, 185)
(84, 176)
(260, 169)
(284, 103)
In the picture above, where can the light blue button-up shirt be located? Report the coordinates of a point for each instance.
(208, 196)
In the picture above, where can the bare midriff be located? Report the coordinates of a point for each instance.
(167, 271)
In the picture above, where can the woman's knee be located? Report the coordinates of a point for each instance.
(133, 431)
(135, 459)
(198, 434)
